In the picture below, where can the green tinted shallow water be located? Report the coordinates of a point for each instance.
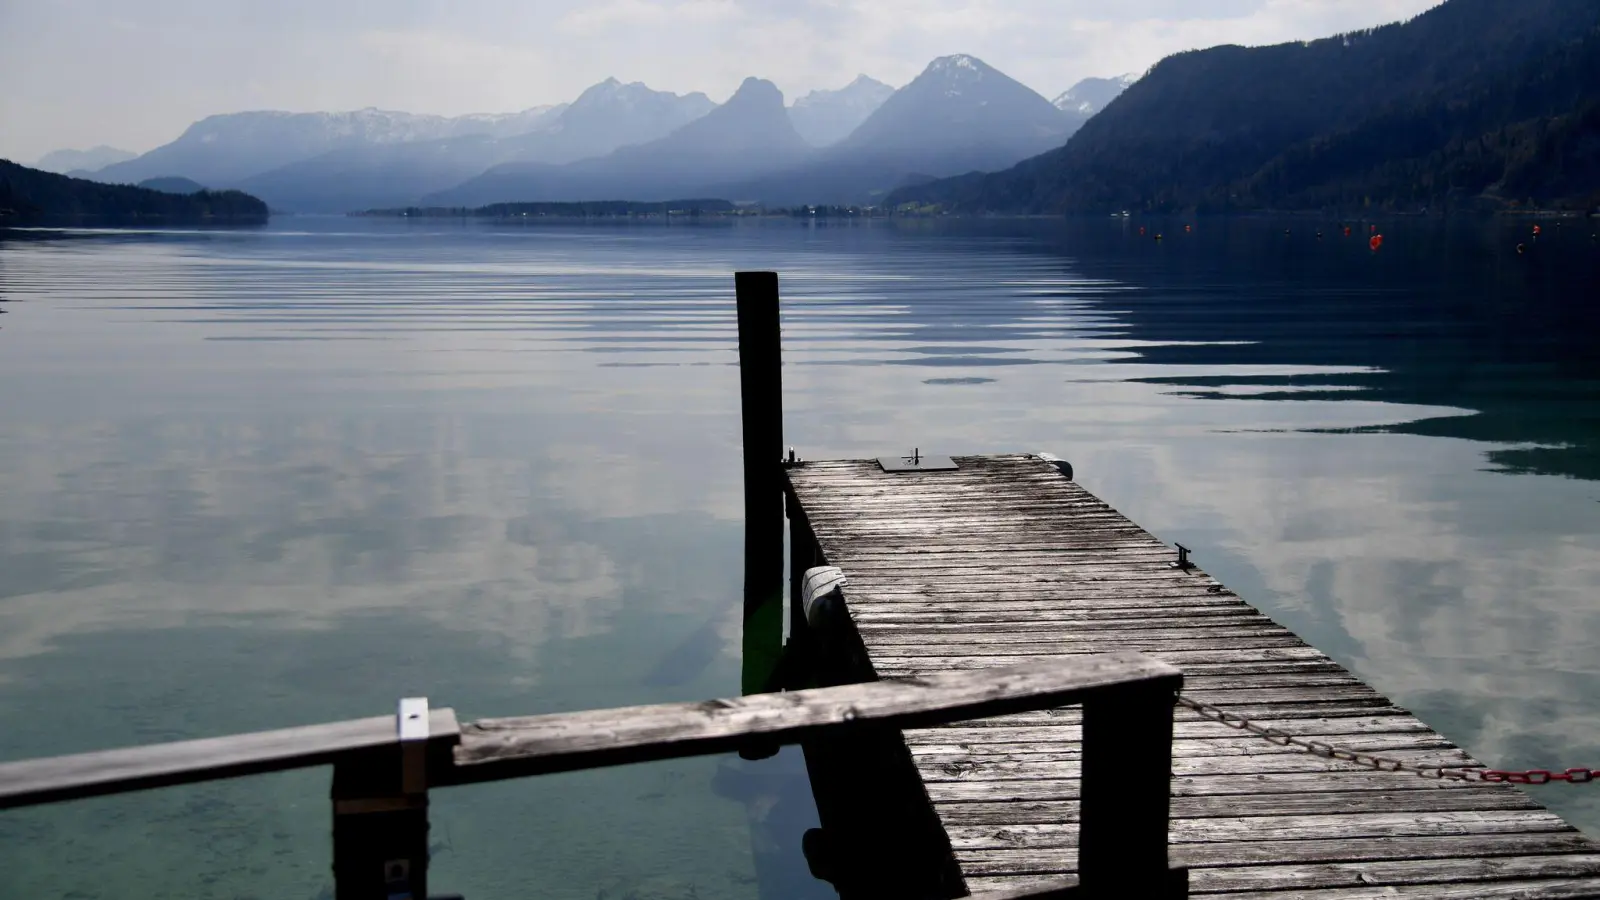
(255, 479)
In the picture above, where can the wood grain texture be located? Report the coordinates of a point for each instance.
(495, 748)
(1004, 561)
(52, 779)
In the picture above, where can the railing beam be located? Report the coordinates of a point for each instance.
(492, 749)
(97, 774)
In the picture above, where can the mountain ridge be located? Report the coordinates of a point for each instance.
(1091, 95)
(960, 114)
(743, 137)
(228, 147)
(825, 117)
(66, 162)
(1430, 112)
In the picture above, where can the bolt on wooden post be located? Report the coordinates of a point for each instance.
(761, 411)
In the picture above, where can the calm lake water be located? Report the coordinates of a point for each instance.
(266, 478)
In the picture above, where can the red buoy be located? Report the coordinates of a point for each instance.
(1347, 231)
(1376, 242)
(1535, 231)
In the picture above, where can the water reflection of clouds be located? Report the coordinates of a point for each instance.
(144, 524)
(1463, 594)
(472, 460)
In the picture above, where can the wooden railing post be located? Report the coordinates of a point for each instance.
(1126, 793)
(761, 409)
(380, 815)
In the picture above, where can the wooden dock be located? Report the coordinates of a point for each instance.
(1005, 560)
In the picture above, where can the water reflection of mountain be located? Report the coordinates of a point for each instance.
(1447, 314)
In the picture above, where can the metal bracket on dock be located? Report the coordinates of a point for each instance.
(412, 730)
(917, 462)
(1183, 558)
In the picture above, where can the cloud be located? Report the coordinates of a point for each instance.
(144, 69)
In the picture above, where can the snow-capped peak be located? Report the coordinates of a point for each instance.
(1091, 95)
(956, 63)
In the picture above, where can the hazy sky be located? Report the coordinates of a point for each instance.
(135, 73)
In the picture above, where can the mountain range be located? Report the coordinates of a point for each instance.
(1476, 104)
(75, 162)
(828, 117)
(223, 150)
(748, 135)
(958, 115)
(625, 141)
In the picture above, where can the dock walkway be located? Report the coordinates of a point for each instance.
(1005, 560)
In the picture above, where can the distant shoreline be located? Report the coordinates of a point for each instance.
(723, 209)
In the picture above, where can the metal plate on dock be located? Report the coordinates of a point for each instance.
(917, 462)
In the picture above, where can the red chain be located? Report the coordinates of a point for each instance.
(1540, 776)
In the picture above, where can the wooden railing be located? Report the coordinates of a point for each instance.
(385, 766)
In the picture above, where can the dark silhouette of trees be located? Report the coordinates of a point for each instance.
(29, 195)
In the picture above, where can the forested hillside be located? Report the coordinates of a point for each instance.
(1477, 103)
(29, 195)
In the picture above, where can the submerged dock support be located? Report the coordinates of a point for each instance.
(761, 411)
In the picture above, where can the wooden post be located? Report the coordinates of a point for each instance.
(1126, 793)
(380, 832)
(761, 409)
(380, 814)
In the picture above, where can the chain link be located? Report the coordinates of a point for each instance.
(1383, 763)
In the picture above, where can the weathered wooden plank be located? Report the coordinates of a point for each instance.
(1526, 871)
(1345, 826)
(1068, 644)
(1010, 643)
(993, 769)
(924, 745)
(1198, 785)
(1068, 730)
(900, 634)
(1332, 709)
(1167, 650)
(891, 624)
(1030, 887)
(1063, 812)
(1065, 582)
(104, 772)
(1542, 889)
(1194, 661)
(594, 738)
(940, 617)
(1040, 599)
(1393, 872)
(1199, 660)
(1014, 861)
(1197, 668)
